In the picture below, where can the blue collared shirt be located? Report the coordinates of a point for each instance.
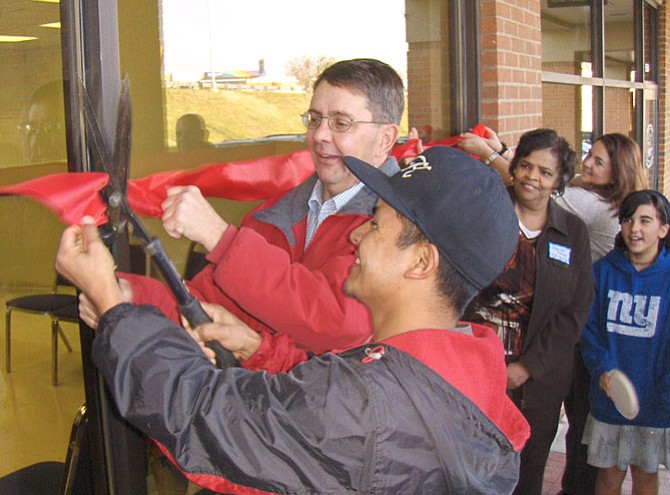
(320, 210)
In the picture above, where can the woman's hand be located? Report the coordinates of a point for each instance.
(480, 146)
(413, 134)
(475, 145)
(517, 375)
(604, 382)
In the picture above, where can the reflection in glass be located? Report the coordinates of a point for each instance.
(249, 76)
(566, 38)
(566, 49)
(429, 84)
(650, 47)
(559, 114)
(619, 103)
(36, 417)
(586, 108)
(31, 101)
(650, 144)
(43, 130)
(192, 133)
(619, 40)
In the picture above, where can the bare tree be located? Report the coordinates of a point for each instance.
(307, 67)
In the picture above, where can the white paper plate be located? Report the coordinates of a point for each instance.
(623, 394)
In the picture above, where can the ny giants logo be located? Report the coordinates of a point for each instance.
(633, 315)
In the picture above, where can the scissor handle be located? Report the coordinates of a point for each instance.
(196, 316)
(189, 306)
(107, 234)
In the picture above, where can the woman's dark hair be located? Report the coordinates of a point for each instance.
(450, 283)
(626, 160)
(636, 199)
(542, 139)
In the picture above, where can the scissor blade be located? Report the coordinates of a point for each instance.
(122, 138)
(100, 148)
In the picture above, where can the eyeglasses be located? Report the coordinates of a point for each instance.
(45, 128)
(337, 122)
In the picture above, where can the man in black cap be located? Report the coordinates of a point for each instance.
(423, 409)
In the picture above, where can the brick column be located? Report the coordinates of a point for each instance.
(511, 66)
(664, 101)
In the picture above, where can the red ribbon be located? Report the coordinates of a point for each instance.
(410, 148)
(74, 195)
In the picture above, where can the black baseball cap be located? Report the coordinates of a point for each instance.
(459, 204)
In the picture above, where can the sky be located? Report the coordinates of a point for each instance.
(242, 32)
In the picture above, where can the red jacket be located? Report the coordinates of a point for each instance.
(262, 273)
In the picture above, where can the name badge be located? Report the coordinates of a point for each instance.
(558, 252)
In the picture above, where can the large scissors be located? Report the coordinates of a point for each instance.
(119, 214)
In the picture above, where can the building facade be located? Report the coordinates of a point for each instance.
(584, 68)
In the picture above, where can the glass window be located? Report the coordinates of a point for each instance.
(619, 104)
(619, 40)
(566, 49)
(429, 84)
(36, 417)
(32, 135)
(231, 75)
(31, 102)
(565, 119)
(650, 47)
(232, 83)
(566, 36)
(650, 143)
(607, 102)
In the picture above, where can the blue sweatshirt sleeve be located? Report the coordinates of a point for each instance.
(594, 343)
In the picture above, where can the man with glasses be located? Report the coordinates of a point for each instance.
(44, 129)
(284, 267)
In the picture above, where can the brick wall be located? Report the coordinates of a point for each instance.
(664, 110)
(511, 66)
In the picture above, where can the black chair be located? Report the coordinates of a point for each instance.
(59, 307)
(56, 478)
(195, 261)
(42, 478)
(77, 478)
